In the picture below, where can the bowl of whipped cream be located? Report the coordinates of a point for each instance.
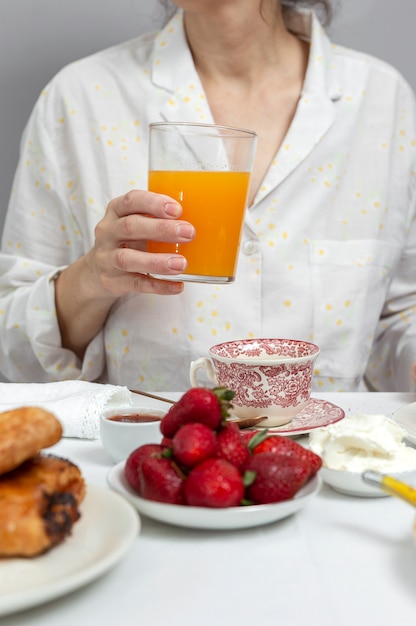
(363, 442)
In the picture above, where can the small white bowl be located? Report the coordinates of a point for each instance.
(352, 484)
(120, 438)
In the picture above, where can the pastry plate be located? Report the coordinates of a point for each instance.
(213, 519)
(107, 528)
(316, 414)
(406, 418)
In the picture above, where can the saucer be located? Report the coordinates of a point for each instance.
(316, 414)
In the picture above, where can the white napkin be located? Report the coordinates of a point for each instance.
(76, 403)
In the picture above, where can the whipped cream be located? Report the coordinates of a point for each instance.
(361, 442)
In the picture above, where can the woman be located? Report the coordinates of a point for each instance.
(329, 246)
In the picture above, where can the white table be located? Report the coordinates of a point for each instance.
(339, 561)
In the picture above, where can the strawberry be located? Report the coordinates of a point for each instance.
(214, 483)
(193, 443)
(134, 461)
(288, 447)
(271, 477)
(198, 404)
(231, 446)
(161, 480)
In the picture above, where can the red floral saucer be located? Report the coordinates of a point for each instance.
(316, 414)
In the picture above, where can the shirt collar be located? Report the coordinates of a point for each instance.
(173, 67)
(321, 74)
(172, 63)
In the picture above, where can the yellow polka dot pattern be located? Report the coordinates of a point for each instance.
(328, 246)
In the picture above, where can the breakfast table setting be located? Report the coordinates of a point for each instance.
(188, 534)
(332, 558)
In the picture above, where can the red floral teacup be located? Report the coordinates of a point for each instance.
(270, 377)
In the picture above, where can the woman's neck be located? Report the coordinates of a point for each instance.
(229, 44)
(251, 68)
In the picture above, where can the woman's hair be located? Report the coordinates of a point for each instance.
(324, 7)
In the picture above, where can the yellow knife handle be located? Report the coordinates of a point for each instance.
(390, 485)
(397, 487)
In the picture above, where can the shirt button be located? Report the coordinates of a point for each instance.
(250, 247)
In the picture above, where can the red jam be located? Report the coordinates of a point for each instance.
(137, 418)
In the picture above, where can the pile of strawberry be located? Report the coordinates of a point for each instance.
(205, 460)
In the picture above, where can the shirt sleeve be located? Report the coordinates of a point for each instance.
(38, 226)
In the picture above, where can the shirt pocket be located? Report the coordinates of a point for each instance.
(349, 285)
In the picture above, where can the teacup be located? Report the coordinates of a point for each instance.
(271, 377)
(123, 429)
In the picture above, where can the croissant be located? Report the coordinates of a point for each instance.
(39, 503)
(23, 433)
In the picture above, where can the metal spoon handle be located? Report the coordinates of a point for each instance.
(248, 422)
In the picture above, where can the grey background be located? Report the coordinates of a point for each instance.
(38, 37)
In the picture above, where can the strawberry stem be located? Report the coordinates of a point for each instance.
(249, 477)
(224, 396)
(259, 437)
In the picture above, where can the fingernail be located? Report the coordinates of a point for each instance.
(172, 209)
(175, 287)
(177, 263)
(186, 231)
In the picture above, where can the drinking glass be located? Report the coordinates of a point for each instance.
(206, 168)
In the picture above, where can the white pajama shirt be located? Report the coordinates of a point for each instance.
(328, 252)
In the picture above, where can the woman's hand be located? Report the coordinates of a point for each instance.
(119, 263)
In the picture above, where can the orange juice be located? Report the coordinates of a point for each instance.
(214, 202)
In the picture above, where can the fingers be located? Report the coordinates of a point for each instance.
(146, 203)
(131, 261)
(119, 258)
(128, 270)
(141, 228)
(141, 216)
(148, 284)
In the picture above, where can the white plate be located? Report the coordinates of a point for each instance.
(406, 418)
(213, 519)
(107, 528)
(316, 414)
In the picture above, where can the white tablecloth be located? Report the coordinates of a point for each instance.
(340, 561)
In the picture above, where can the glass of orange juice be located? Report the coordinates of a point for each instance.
(206, 168)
